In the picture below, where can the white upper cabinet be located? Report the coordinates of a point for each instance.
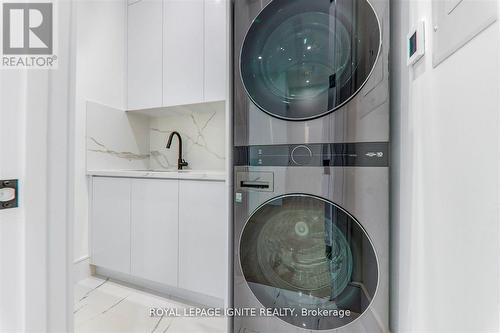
(145, 60)
(183, 52)
(215, 50)
(176, 52)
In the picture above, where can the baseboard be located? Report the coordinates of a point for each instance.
(173, 293)
(81, 269)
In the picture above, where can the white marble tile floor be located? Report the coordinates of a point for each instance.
(103, 306)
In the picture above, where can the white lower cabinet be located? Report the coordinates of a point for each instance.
(202, 237)
(110, 228)
(173, 232)
(155, 230)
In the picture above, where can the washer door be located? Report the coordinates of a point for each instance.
(302, 59)
(303, 253)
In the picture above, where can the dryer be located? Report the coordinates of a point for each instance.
(311, 71)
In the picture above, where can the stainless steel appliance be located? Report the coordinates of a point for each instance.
(311, 71)
(311, 193)
(311, 234)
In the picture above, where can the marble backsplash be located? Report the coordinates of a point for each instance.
(203, 137)
(116, 140)
(128, 141)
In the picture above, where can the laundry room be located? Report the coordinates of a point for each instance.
(250, 166)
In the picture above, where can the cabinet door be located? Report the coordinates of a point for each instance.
(215, 50)
(144, 52)
(202, 237)
(155, 230)
(183, 52)
(110, 227)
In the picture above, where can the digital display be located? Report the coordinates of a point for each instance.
(413, 44)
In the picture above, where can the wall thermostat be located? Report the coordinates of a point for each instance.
(416, 43)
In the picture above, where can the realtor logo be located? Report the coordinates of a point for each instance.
(27, 28)
(28, 35)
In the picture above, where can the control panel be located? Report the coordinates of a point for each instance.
(364, 154)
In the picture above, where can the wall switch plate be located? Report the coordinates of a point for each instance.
(8, 194)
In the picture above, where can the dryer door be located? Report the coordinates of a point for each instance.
(303, 59)
(303, 253)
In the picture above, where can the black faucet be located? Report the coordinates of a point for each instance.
(180, 162)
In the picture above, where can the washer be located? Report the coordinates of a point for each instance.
(311, 71)
(312, 237)
(311, 174)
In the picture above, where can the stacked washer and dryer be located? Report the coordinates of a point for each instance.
(311, 173)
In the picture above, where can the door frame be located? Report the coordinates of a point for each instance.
(49, 193)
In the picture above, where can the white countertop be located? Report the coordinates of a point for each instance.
(160, 174)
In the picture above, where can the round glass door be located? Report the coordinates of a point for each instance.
(302, 59)
(309, 261)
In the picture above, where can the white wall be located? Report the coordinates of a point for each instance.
(445, 223)
(100, 73)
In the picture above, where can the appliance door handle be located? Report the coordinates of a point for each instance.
(255, 184)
